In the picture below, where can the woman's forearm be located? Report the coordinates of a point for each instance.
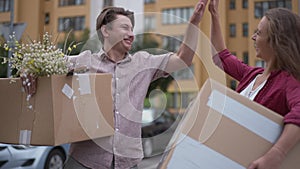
(216, 33)
(288, 139)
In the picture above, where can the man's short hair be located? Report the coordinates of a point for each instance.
(108, 15)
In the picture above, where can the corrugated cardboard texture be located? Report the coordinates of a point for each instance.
(10, 109)
(54, 118)
(223, 135)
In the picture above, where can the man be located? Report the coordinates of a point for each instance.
(132, 75)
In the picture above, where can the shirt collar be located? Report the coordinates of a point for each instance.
(103, 55)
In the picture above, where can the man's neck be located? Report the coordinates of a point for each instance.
(115, 55)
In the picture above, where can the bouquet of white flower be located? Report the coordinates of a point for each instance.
(36, 59)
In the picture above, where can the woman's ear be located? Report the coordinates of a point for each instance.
(104, 31)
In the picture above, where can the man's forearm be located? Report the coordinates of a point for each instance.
(185, 54)
(189, 45)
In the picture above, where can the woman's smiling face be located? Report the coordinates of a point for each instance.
(261, 41)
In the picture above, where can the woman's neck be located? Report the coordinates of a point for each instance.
(268, 69)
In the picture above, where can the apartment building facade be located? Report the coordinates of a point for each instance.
(59, 16)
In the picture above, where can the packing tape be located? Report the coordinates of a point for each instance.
(84, 84)
(25, 136)
(188, 152)
(68, 91)
(246, 117)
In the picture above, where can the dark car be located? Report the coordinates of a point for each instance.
(158, 128)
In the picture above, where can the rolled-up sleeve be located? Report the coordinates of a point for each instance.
(156, 62)
(293, 99)
(80, 61)
(231, 64)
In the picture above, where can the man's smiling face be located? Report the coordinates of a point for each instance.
(120, 33)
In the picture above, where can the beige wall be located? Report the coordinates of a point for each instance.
(33, 12)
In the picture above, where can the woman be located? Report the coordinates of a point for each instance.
(277, 86)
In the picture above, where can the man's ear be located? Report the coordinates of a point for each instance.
(104, 31)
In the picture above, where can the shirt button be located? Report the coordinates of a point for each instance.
(117, 78)
(117, 129)
(117, 112)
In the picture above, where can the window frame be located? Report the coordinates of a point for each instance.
(261, 7)
(77, 23)
(5, 6)
(64, 3)
(232, 33)
(232, 4)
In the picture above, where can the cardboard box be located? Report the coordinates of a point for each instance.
(64, 110)
(223, 130)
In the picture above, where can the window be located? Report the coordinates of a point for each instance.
(261, 7)
(288, 4)
(232, 29)
(184, 74)
(186, 97)
(176, 15)
(67, 23)
(47, 18)
(265, 7)
(4, 5)
(182, 99)
(107, 3)
(233, 84)
(245, 29)
(246, 58)
(165, 17)
(71, 2)
(149, 1)
(245, 4)
(172, 43)
(172, 16)
(260, 63)
(232, 4)
(149, 23)
(258, 10)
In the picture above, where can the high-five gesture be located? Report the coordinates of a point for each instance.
(213, 7)
(198, 12)
(185, 54)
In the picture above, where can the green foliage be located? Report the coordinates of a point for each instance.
(161, 83)
(147, 103)
(70, 39)
(144, 42)
(3, 53)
